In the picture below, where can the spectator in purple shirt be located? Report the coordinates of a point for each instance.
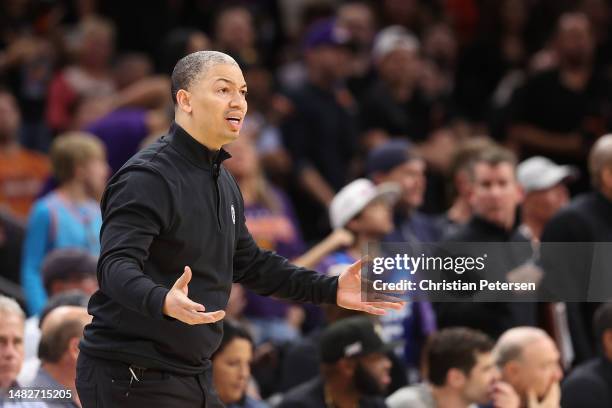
(272, 223)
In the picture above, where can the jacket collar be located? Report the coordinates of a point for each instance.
(193, 150)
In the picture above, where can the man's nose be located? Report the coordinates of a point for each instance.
(238, 101)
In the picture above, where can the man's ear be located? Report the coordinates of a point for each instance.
(73, 348)
(455, 378)
(183, 100)
(346, 366)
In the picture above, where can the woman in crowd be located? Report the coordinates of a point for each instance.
(232, 368)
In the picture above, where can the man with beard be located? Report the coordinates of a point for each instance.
(581, 96)
(355, 371)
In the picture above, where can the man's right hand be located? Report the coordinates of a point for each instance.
(179, 306)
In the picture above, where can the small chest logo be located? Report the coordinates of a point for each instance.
(233, 214)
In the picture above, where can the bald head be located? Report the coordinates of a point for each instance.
(600, 161)
(513, 342)
(60, 326)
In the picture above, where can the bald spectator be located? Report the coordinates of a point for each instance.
(590, 384)
(31, 364)
(529, 362)
(543, 183)
(58, 350)
(573, 274)
(460, 371)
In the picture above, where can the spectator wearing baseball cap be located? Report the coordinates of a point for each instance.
(395, 161)
(395, 104)
(363, 209)
(321, 132)
(354, 368)
(544, 186)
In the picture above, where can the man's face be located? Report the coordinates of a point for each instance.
(375, 219)
(495, 193)
(481, 379)
(411, 177)
(218, 103)
(11, 348)
(575, 43)
(357, 19)
(9, 117)
(401, 65)
(543, 204)
(538, 368)
(329, 61)
(372, 374)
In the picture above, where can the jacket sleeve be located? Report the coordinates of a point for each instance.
(267, 273)
(137, 207)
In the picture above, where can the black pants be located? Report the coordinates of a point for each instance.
(111, 384)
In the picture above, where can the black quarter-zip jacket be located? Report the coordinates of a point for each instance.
(174, 204)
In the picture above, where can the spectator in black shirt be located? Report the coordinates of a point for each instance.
(355, 371)
(590, 384)
(174, 204)
(321, 132)
(395, 106)
(559, 111)
(571, 275)
(494, 199)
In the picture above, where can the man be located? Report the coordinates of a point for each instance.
(581, 98)
(354, 369)
(396, 161)
(460, 371)
(590, 384)
(546, 192)
(573, 272)
(394, 105)
(171, 205)
(529, 362)
(58, 350)
(68, 269)
(460, 210)
(495, 196)
(543, 183)
(11, 353)
(22, 172)
(32, 333)
(321, 132)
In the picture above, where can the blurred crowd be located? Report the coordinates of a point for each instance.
(369, 122)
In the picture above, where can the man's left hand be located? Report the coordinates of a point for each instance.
(349, 293)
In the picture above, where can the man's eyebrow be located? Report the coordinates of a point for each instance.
(244, 85)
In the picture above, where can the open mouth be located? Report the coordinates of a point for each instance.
(235, 122)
